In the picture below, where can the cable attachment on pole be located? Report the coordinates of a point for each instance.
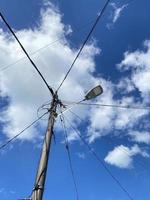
(54, 113)
(38, 187)
(61, 104)
(56, 102)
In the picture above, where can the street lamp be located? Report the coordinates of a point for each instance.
(96, 91)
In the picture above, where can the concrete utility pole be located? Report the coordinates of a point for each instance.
(38, 190)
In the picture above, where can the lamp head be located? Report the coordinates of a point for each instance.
(96, 91)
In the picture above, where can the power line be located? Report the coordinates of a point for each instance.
(85, 41)
(111, 106)
(16, 136)
(44, 47)
(79, 29)
(69, 154)
(101, 161)
(22, 47)
(31, 54)
(121, 149)
(116, 106)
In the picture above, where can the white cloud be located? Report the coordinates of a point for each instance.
(81, 155)
(128, 118)
(105, 119)
(122, 156)
(125, 85)
(101, 117)
(140, 137)
(73, 136)
(27, 91)
(117, 11)
(21, 82)
(138, 63)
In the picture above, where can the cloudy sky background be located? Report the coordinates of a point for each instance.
(117, 57)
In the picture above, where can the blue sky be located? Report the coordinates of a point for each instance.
(117, 57)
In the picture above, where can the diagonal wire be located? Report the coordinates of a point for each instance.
(17, 135)
(112, 106)
(79, 29)
(31, 54)
(97, 157)
(22, 47)
(121, 149)
(116, 106)
(85, 41)
(69, 154)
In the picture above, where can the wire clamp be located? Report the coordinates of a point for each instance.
(38, 187)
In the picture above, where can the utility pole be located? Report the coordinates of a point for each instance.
(38, 190)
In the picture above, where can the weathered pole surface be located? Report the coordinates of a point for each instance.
(38, 190)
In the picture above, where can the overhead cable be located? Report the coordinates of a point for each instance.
(121, 149)
(47, 45)
(69, 154)
(111, 106)
(4, 67)
(85, 41)
(97, 157)
(116, 106)
(20, 133)
(33, 64)
(31, 54)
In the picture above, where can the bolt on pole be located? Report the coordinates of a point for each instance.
(38, 190)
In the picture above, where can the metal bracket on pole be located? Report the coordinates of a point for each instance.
(38, 187)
